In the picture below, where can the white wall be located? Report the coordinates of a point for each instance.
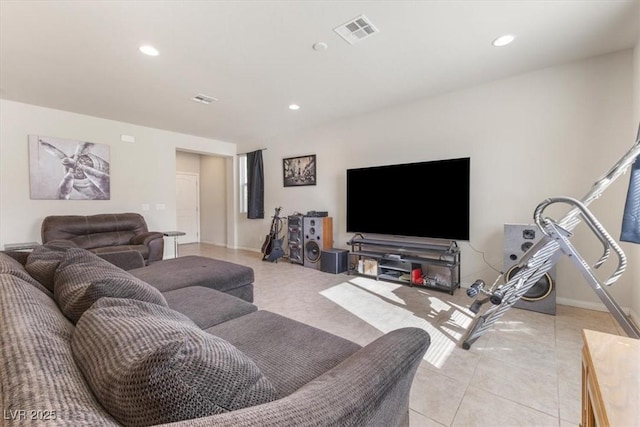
(547, 133)
(141, 173)
(187, 162)
(213, 200)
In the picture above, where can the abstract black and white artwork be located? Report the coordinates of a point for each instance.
(299, 171)
(65, 169)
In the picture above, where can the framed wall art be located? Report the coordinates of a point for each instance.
(65, 169)
(299, 171)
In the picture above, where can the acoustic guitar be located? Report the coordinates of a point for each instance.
(272, 246)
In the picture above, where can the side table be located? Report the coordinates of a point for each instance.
(25, 246)
(610, 380)
(175, 235)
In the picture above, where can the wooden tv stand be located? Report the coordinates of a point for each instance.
(395, 259)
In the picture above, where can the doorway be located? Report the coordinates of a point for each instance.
(213, 203)
(188, 206)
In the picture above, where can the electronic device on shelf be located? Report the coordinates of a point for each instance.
(317, 214)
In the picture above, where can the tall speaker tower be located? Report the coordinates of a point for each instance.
(318, 236)
(295, 238)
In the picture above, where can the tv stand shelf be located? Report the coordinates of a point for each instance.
(432, 265)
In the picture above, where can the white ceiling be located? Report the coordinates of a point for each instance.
(257, 56)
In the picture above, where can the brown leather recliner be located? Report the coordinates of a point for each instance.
(106, 233)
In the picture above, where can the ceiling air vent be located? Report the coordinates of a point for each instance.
(357, 29)
(204, 99)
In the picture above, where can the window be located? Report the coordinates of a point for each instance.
(243, 184)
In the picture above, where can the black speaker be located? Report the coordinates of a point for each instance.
(318, 236)
(295, 238)
(518, 239)
(334, 260)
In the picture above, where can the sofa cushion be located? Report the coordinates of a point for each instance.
(149, 364)
(93, 231)
(37, 369)
(43, 261)
(12, 267)
(192, 270)
(207, 307)
(290, 358)
(82, 278)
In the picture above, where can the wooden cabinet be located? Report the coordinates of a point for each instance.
(610, 380)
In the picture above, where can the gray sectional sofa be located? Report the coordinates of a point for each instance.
(86, 343)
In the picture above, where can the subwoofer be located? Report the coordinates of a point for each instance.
(295, 238)
(318, 236)
(334, 260)
(518, 239)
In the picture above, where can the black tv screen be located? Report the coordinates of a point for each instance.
(424, 199)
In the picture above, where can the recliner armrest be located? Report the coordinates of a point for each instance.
(154, 240)
(146, 238)
(370, 388)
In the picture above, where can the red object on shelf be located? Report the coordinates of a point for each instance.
(416, 276)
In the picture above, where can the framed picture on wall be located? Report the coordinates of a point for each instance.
(65, 169)
(299, 171)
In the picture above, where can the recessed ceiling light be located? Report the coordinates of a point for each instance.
(294, 107)
(503, 40)
(149, 50)
(320, 46)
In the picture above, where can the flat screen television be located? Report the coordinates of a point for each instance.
(423, 199)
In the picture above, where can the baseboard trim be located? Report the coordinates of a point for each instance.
(249, 249)
(209, 242)
(588, 305)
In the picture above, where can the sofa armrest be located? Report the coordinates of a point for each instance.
(20, 256)
(154, 240)
(370, 388)
(146, 238)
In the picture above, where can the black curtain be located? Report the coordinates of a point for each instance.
(631, 218)
(255, 185)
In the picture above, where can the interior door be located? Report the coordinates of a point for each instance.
(188, 206)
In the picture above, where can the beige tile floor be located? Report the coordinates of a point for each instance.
(526, 371)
